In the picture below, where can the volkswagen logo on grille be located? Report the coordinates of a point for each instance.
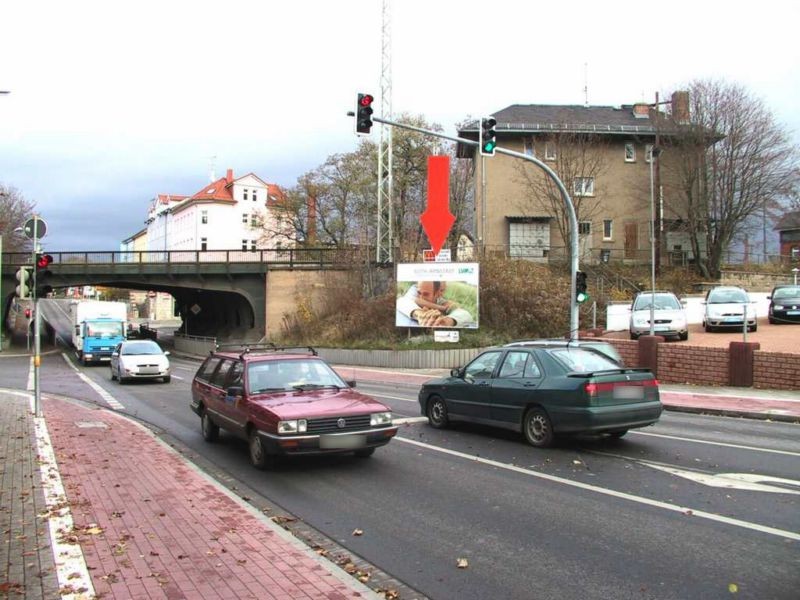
(341, 423)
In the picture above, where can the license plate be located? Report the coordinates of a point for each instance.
(662, 327)
(733, 319)
(793, 312)
(629, 392)
(349, 440)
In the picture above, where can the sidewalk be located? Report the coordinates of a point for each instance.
(726, 401)
(126, 516)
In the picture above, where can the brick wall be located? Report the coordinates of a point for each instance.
(776, 370)
(698, 365)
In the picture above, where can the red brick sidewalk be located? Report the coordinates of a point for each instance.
(153, 526)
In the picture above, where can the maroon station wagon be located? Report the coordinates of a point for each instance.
(286, 401)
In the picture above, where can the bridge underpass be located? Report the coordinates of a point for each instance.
(229, 295)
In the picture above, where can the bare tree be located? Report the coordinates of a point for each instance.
(15, 209)
(734, 161)
(577, 156)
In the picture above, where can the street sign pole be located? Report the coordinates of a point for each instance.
(37, 347)
(574, 320)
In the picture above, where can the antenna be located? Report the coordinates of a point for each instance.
(586, 85)
(212, 165)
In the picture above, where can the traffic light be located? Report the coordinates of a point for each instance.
(364, 113)
(581, 295)
(488, 136)
(42, 274)
(24, 277)
(28, 313)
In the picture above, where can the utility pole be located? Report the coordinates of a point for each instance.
(658, 223)
(384, 251)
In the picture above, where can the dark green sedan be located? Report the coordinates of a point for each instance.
(543, 391)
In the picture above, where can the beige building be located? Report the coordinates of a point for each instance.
(603, 154)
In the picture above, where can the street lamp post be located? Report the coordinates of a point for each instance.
(653, 156)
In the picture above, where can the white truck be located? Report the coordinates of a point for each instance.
(97, 328)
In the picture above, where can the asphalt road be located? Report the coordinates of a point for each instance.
(685, 509)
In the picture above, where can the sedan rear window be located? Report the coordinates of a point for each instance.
(582, 361)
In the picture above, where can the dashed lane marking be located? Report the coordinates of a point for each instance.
(110, 400)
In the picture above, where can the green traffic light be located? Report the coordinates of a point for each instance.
(489, 146)
(581, 297)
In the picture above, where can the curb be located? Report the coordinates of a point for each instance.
(724, 412)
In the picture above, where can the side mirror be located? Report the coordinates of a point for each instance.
(235, 390)
(166, 352)
(115, 354)
(455, 372)
(351, 383)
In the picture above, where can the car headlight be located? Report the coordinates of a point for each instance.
(381, 418)
(778, 306)
(293, 426)
(639, 321)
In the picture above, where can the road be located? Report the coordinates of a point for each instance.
(694, 507)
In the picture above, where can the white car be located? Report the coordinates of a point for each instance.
(669, 315)
(139, 359)
(725, 307)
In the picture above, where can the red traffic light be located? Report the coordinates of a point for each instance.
(43, 261)
(28, 313)
(365, 99)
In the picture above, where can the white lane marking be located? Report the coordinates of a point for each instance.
(734, 481)
(112, 402)
(30, 386)
(686, 510)
(70, 563)
(177, 377)
(407, 420)
(724, 444)
(394, 397)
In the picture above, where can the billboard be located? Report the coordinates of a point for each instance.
(437, 295)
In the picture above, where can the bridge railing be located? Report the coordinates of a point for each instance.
(276, 256)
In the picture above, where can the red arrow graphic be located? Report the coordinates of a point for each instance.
(437, 218)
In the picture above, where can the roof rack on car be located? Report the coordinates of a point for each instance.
(261, 348)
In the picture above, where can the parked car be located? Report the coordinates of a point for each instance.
(542, 391)
(725, 307)
(669, 315)
(598, 346)
(139, 359)
(784, 304)
(286, 401)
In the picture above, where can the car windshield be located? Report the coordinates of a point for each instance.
(581, 360)
(788, 292)
(140, 348)
(104, 329)
(293, 374)
(727, 297)
(663, 302)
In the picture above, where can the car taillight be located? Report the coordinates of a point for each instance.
(593, 388)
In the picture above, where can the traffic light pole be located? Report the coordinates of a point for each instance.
(37, 359)
(573, 219)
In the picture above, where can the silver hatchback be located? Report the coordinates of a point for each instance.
(669, 315)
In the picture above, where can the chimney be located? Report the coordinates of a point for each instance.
(680, 107)
(229, 176)
(641, 111)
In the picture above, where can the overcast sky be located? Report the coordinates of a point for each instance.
(113, 103)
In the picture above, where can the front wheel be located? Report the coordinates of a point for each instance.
(437, 413)
(209, 428)
(537, 428)
(365, 452)
(683, 336)
(167, 379)
(754, 328)
(258, 456)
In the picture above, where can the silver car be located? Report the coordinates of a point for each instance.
(669, 315)
(725, 308)
(139, 359)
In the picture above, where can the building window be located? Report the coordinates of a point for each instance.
(795, 252)
(255, 195)
(203, 244)
(630, 153)
(648, 152)
(244, 244)
(244, 218)
(584, 186)
(528, 143)
(253, 220)
(204, 217)
(549, 151)
(608, 229)
(585, 228)
(253, 245)
(246, 192)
